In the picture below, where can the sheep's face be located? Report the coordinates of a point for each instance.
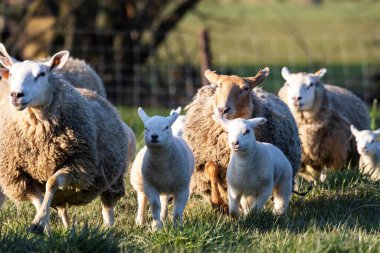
(29, 80)
(366, 140)
(158, 132)
(241, 135)
(232, 93)
(301, 88)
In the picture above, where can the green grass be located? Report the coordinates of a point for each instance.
(339, 215)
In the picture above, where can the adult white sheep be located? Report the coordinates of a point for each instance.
(369, 150)
(256, 169)
(323, 114)
(70, 141)
(234, 97)
(162, 168)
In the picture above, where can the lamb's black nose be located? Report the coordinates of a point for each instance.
(17, 94)
(154, 136)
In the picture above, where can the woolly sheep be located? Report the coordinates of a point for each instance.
(70, 141)
(234, 97)
(369, 150)
(323, 114)
(162, 168)
(256, 169)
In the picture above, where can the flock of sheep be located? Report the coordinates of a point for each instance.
(62, 143)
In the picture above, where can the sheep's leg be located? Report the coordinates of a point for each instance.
(180, 200)
(41, 220)
(62, 211)
(212, 172)
(108, 214)
(261, 199)
(142, 201)
(233, 202)
(246, 203)
(109, 199)
(323, 174)
(164, 208)
(155, 206)
(36, 198)
(281, 197)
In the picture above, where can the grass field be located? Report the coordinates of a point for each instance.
(339, 215)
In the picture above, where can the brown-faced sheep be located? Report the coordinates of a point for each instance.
(54, 136)
(234, 97)
(323, 114)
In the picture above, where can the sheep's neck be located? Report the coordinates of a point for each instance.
(161, 154)
(319, 110)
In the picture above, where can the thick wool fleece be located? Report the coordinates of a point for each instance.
(325, 129)
(77, 131)
(209, 141)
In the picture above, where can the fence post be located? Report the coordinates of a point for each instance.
(205, 54)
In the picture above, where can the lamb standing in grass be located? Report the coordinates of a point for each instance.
(162, 168)
(323, 114)
(369, 150)
(256, 169)
(54, 136)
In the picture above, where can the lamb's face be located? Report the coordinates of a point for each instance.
(301, 88)
(240, 132)
(366, 141)
(29, 80)
(29, 86)
(158, 132)
(232, 94)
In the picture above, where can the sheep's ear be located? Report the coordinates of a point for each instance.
(320, 73)
(223, 122)
(256, 121)
(5, 59)
(258, 78)
(178, 110)
(285, 73)
(143, 116)
(211, 76)
(354, 131)
(58, 60)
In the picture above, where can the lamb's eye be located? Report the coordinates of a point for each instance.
(41, 74)
(246, 131)
(146, 129)
(167, 128)
(311, 84)
(372, 141)
(287, 84)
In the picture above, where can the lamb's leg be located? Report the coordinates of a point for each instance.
(233, 202)
(180, 200)
(246, 203)
(212, 172)
(62, 211)
(142, 201)
(59, 179)
(155, 206)
(164, 208)
(261, 199)
(281, 197)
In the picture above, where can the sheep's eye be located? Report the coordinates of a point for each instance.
(166, 128)
(372, 141)
(311, 84)
(246, 89)
(246, 131)
(146, 129)
(41, 74)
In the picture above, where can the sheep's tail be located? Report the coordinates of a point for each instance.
(311, 185)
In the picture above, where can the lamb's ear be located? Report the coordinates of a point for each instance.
(5, 59)
(354, 131)
(58, 60)
(223, 122)
(320, 73)
(211, 76)
(258, 78)
(174, 115)
(285, 73)
(178, 110)
(256, 121)
(143, 116)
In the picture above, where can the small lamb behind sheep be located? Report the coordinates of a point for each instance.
(369, 150)
(256, 169)
(323, 114)
(70, 142)
(162, 168)
(178, 125)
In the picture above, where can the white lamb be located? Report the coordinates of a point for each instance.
(369, 150)
(178, 125)
(256, 169)
(162, 168)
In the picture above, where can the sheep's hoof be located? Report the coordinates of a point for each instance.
(36, 229)
(223, 208)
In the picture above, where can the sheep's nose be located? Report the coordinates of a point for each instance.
(17, 94)
(296, 98)
(223, 110)
(154, 136)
